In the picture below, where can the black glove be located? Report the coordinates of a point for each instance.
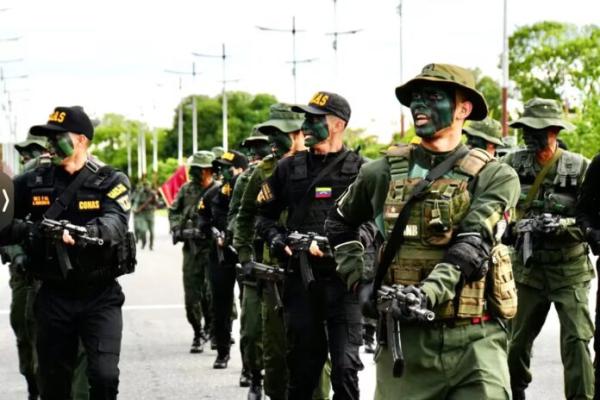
(593, 238)
(550, 224)
(277, 247)
(406, 311)
(93, 231)
(367, 303)
(247, 269)
(19, 263)
(471, 253)
(176, 235)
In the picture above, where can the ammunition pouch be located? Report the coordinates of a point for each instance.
(561, 255)
(126, 256)
(501, 291)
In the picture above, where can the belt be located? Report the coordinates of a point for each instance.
(458, 322)
(559, 255)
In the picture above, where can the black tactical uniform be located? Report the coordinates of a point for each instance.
(214, 208)
(326, 316)
(588, 218)
(82, 303)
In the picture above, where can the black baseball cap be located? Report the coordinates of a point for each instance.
(232, 158)
(66, 119)
(323, 103)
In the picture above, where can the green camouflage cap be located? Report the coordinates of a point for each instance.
(447, 75)
(31, 141)
(541, 113)
(489, 130)
(201, 159)
(255, 136)
(217, 151)
(282, 119)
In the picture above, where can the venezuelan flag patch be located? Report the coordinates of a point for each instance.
(322, 192)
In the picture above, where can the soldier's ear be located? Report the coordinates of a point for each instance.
(463, 110)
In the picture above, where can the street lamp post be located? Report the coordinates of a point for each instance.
(505, 72)
(335, 35)
(401, 67)
(294, 61)
(180, 116)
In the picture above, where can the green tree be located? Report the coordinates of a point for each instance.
(244, 111)
(492, 92)
(369, 147)
(550, 59)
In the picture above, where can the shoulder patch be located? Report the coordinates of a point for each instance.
(399, 150)
(124, 202)
(116, 191)
(474, 161)
(265, 195)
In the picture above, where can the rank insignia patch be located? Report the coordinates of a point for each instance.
(124, 202)
(117, 191)
(265, 195)
(226, 189)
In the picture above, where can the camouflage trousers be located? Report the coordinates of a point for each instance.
(196, 287)
(143, 223)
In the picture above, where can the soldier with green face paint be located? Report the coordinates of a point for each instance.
(256, 147)
(486, 135)
(264, 327)
(442, 262)
(551, 263)
(184, 225)
(144, 203)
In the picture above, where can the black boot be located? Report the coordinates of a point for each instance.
(245, 378)
(32, 387)
(255, 391)
(221, 361)
(197, 346)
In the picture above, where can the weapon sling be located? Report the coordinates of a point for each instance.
(540, 178)
(61, 204)
(397, 236)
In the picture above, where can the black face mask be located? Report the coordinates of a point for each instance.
(259, 151)
(535, 139)
(195, 174)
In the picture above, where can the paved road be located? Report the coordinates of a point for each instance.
(155, 363)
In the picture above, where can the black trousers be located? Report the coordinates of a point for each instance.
(222, 280)
(327, 319)
(62, 319)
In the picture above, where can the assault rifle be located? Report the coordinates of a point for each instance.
(527, 227)
(300, 244)
(266, 273)
(54, 230)
(390, 301)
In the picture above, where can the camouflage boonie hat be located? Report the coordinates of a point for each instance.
(541, 113)
(281, 119)
(217, 151)
(447, 75)
(31, 140)
(489, 130)
(255, 136)
(201, 159)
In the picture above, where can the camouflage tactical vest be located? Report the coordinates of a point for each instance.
(433, 220)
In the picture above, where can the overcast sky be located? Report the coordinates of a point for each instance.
(110, 55)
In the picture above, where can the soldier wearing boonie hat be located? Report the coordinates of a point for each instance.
(486, 135)
(434, 248)
(196, 248)
(558, 270)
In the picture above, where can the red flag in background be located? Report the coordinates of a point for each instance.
(171, 187)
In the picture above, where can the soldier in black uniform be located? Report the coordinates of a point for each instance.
(213, 208)
(320, 316)
(588, 219)
(79, 297)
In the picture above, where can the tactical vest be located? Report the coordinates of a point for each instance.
(434, 218)
(556, 195)
(324, 194)
(90, 263)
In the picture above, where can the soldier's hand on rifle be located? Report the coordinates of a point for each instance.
(314, 250)
(551, 224)
(67, 238)
(366, 300)
(416, 299)
(278, 247)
